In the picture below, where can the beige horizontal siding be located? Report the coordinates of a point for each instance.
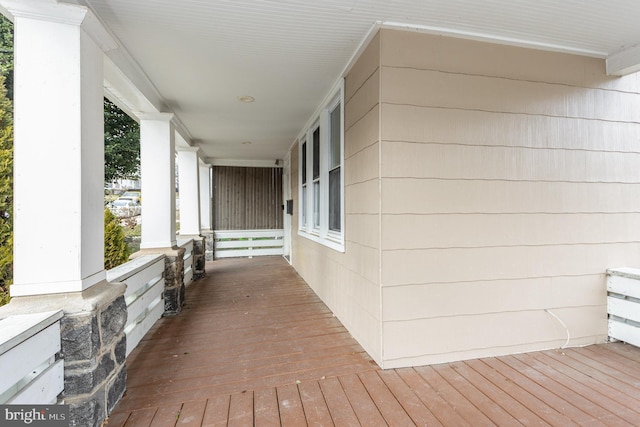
(362, 198)
(364, 229)
(414, 302)
(424, 51)
(490, 230)
(409, 123)
(362, 166)
(429, 196)
(421, 266)
(364, 133)
(338, 280)
(408, 86)
(367, 64)
(363, 101)
(349, 282)
(442, 339)
(449, 161)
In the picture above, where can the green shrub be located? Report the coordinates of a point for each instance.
(115, 248)
(6, 195)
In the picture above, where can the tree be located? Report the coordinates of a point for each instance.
(6, 54)
(6, 158)
(121, 144)
(6, 194)
(115, 247)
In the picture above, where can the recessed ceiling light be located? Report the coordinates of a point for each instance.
(246, 142)
(246, 98)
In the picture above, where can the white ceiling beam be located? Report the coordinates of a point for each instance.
(624, 62)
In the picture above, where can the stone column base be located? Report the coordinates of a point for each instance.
(93, 347)
(174, 289)
(208, 237)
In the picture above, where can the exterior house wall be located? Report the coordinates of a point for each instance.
(510, 180)
(349, 282)
(487, 190)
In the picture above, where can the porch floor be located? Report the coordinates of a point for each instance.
(255, 346)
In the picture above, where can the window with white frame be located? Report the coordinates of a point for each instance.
(321, 179)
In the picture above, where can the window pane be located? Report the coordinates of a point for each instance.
(303, 206)
(334, 200)
(316, 153)
(334, 158)
(316, 204)
(304, 162)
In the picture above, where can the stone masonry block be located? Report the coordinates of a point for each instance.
(86, 412)
(83, 380)
(80, 337)
(120, 351)
(112, 320)
(116, 388)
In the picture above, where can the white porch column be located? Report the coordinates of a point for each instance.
(188, 179)
(59, 144)
(158, 183)
(205, 197)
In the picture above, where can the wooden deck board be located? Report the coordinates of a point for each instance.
(216, 413)
(315, 407)
(462, 406)
(411, 404)
(290, 406)
(167, 416)
(339, 407)
(255, 346)
(141, 418)
(594, 414)
(365, 409)
(266, 412)
(386, 402)
(492, 411)
(523, 396)
(241, 409)
(545, 396)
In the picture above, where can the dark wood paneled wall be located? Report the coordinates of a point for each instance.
(247, 198)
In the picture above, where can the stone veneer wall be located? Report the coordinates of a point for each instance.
(208, 237)
(199, 257)
(94, 349)
(174, 289)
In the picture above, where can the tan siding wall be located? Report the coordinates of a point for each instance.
(349, 283)
(510, 183)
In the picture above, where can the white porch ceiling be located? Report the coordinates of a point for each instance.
(201, 55)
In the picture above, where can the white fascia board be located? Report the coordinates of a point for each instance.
(492, 38)
(182, 143)
(624, 62)
(124, 93)
(245, 163)
(54, 11)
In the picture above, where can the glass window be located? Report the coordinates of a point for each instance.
(335, 156)
(321, 179)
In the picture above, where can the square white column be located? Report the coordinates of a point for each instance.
(58, 148)
(157, 180)
(188, 183)
(205, 197)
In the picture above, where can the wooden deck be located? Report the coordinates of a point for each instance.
(255, 346)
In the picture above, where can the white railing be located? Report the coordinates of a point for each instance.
(144, 277)
(623, 304)
(248, 243)
(28, 346)
(189, 260)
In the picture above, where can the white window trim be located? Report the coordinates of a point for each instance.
(322, 235)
